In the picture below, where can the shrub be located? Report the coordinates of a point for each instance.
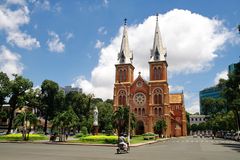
(84, 130)
(18, 137)
(79, 135)
(101, 139)
(149, 135)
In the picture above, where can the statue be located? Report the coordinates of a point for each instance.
(95, 121)
(95, 116)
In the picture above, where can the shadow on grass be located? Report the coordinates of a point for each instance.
(235, 146)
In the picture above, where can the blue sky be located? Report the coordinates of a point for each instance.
(77, 42)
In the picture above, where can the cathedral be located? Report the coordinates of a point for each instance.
(150, 101)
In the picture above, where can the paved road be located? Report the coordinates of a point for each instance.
(187, 148)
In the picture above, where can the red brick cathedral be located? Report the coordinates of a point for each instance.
(150, 100)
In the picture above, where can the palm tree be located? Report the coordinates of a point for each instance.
(120, 119)
(21, 121)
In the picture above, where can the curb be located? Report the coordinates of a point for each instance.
(85, 144)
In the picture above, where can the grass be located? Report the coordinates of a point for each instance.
(139, 139)
(103, 139)
(18, 137)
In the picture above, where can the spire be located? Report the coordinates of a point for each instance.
(125, 55)
(158, 52)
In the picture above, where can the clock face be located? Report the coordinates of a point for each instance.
(140, 99)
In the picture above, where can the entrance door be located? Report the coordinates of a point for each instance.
(140, 128)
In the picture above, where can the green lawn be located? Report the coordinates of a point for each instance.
(103, 139)
(18, 137)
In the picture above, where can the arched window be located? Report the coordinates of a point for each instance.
(157, 98)
(159, 111)
(143, 112)
(120, 75)
(158, 73)
(122, 98)
(135, 110)
(154, 73)
(124, 75)
(155, 111)
(139, 111)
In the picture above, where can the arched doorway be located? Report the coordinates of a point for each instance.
(139, 128)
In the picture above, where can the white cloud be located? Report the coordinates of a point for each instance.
(10, 62)
(22, 40)
(99, 44)
(105, 3)
(221, 75)
(20, 2)
(41, 4)
(57, 8)
(68, 35)
(192, 41)
(176, 88)
(12, 20)
(194, 107)
(192, 102)
(54, 43)
(102, 30)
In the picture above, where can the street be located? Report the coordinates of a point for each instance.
(184, 148)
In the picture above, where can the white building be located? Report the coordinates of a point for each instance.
(68, 89)
(196, 119)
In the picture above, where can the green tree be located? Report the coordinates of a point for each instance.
(64, 122)
(160, 126)
(4, 88)
(105, 113)
(49, 92)
(78, 101)
(202, 126)
(194, 127)
(18, 87)
(3, 114)
(231, 92)
(120, 119)
(25, 120)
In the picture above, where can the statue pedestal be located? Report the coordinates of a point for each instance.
(95, 130)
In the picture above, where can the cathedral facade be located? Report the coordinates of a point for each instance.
(150, 101)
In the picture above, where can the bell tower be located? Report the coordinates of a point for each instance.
(158, 83)
(124, 72)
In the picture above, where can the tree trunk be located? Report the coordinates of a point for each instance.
(11, 120)
(45, 124)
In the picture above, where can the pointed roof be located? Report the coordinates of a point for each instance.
(158, 52)
(125, 55)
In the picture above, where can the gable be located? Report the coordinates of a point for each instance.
(176, 98)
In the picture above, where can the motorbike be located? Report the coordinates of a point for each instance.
(121, 149)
